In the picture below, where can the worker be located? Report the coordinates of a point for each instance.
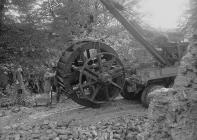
(48, 76)
(20, 86)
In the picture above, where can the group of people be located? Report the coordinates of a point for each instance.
(46, 85)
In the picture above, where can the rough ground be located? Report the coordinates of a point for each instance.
(173, 112)
(119, 119)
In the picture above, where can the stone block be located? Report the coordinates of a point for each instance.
(181, 81)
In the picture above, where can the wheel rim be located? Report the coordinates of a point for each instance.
(70, 66)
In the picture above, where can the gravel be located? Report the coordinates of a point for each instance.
(127, 127)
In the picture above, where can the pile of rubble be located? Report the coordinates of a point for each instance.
(127, 127)
(173, 112)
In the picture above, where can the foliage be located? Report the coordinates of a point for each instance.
(36, 32)
(193, 17)
(191, 23)
(33, 32)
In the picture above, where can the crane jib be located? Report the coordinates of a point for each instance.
(134, 32)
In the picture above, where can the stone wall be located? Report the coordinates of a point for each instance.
(173, 112)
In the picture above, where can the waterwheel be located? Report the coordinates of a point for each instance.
(90, 73)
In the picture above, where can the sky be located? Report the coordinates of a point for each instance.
(163, 14)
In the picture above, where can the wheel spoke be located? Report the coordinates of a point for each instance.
(88, 72)
(107, 92)
(91, 71)
(95, 92)
(110, 63)
(88, 84)
(88, 53)
(93, 66)
(117, 73)
(116, 85)
(90, 75)
(100, 63)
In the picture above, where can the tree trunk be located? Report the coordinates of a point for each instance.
(2, 3)
(173, 112)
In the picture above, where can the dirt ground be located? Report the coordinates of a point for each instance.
(69, 120)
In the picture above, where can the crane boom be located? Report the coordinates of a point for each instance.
(134, 32)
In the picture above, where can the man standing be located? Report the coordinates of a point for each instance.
(48, 76)
(20, 86)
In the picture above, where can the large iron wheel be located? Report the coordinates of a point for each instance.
(76, 59)
(145, 95)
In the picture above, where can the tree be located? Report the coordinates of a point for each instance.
(2, 4)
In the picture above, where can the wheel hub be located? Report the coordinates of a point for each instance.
(105, 77)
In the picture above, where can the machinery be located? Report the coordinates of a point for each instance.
(91, 73)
